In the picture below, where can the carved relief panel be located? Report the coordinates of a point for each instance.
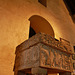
(44, 51)
(54, 58)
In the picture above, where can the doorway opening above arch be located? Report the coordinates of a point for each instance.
(40, 24)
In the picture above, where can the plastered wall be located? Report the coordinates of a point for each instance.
(63, 23)
(14, 26)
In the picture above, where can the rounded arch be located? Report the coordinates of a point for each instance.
(40, 24)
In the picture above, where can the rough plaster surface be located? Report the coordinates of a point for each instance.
(14, 26)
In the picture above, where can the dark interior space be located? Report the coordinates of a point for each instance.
(70, 4)
(73, 57)
(74, 48)
(43, 2)
(31, 32)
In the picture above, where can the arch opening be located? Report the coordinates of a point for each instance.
(40, 24)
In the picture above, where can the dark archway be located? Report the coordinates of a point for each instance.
(40, 24)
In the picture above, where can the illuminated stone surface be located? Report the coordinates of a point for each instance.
(14, 26)
(42, 50)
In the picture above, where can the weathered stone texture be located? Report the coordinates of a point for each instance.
(28, 58)
(14, 26)
(54, 58)
(44, 51)
(62, 45)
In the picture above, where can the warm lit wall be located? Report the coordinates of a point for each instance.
(62, 22)
(14, 26)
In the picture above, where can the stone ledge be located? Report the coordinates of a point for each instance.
(62, 45)
(44, 51)
(41, 55)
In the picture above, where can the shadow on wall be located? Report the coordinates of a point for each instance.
(31, 32)
(40, 24)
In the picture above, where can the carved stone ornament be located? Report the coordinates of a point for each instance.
(44, 51)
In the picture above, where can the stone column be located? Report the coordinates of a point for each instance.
(39, 71)
(65, 73)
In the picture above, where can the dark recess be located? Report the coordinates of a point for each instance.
(31, 32)
(70, 4)
(74, 48)
(43, 2)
